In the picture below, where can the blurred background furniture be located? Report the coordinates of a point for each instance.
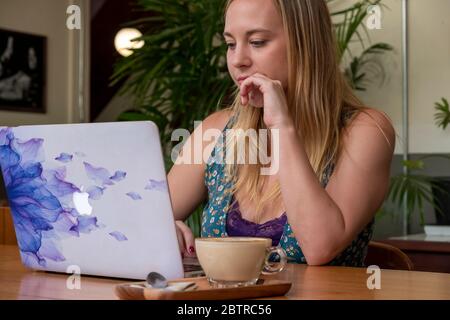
(387, 257)
(7, 234)
(428, 253)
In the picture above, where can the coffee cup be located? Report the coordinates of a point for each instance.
(237, 261)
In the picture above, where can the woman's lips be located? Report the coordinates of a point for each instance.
(241, 79)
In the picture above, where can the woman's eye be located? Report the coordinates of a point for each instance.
(258, 43)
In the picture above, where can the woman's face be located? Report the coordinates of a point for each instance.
(256, 42)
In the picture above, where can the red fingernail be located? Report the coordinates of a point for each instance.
(191, 249)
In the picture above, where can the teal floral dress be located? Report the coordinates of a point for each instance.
(214, 215)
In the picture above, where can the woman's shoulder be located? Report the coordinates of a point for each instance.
(370, 122)
(374, 114)
(218, 119)
(212, 126)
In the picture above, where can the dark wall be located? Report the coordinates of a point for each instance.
(108, 17)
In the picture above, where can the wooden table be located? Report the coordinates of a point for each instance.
(309, 282)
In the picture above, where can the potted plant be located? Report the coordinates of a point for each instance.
(441, 185)
(414, 189)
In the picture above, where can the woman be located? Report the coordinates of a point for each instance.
(334, 154)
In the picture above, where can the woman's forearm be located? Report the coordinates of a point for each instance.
(316, 220)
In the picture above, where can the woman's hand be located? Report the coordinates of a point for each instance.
(261, 92)
(185, 239)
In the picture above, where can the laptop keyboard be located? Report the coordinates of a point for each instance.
(192, 268)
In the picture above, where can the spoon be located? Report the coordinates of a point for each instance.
(156, 280)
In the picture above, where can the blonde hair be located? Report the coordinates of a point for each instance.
(317, 95)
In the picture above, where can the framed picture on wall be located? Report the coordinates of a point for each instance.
(22, 71)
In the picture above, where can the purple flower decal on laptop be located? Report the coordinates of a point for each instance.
(34, 208)
(98, 175)
(64, 157)
(57, 185)
(102, 176)
(85, 224)
(95, 192)
(134, 195)
(156, 185)
(40, 200)
(119, 236)
(118, 176)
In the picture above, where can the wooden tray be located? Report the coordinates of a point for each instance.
(265, 288)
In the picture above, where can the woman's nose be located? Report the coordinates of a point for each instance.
(240, 57)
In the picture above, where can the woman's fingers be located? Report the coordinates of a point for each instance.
(256, 81)
(252, 91)
(188, 239)
(180, 239)
(259, 91)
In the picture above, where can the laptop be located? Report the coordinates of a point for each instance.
(91, 197)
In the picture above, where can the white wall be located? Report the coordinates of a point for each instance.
(48, 18)
(429, 71)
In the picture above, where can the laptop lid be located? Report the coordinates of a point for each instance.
(91, 196)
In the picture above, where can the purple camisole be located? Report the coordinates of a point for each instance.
(240, 227)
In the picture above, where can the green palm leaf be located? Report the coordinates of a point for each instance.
(442, 115)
